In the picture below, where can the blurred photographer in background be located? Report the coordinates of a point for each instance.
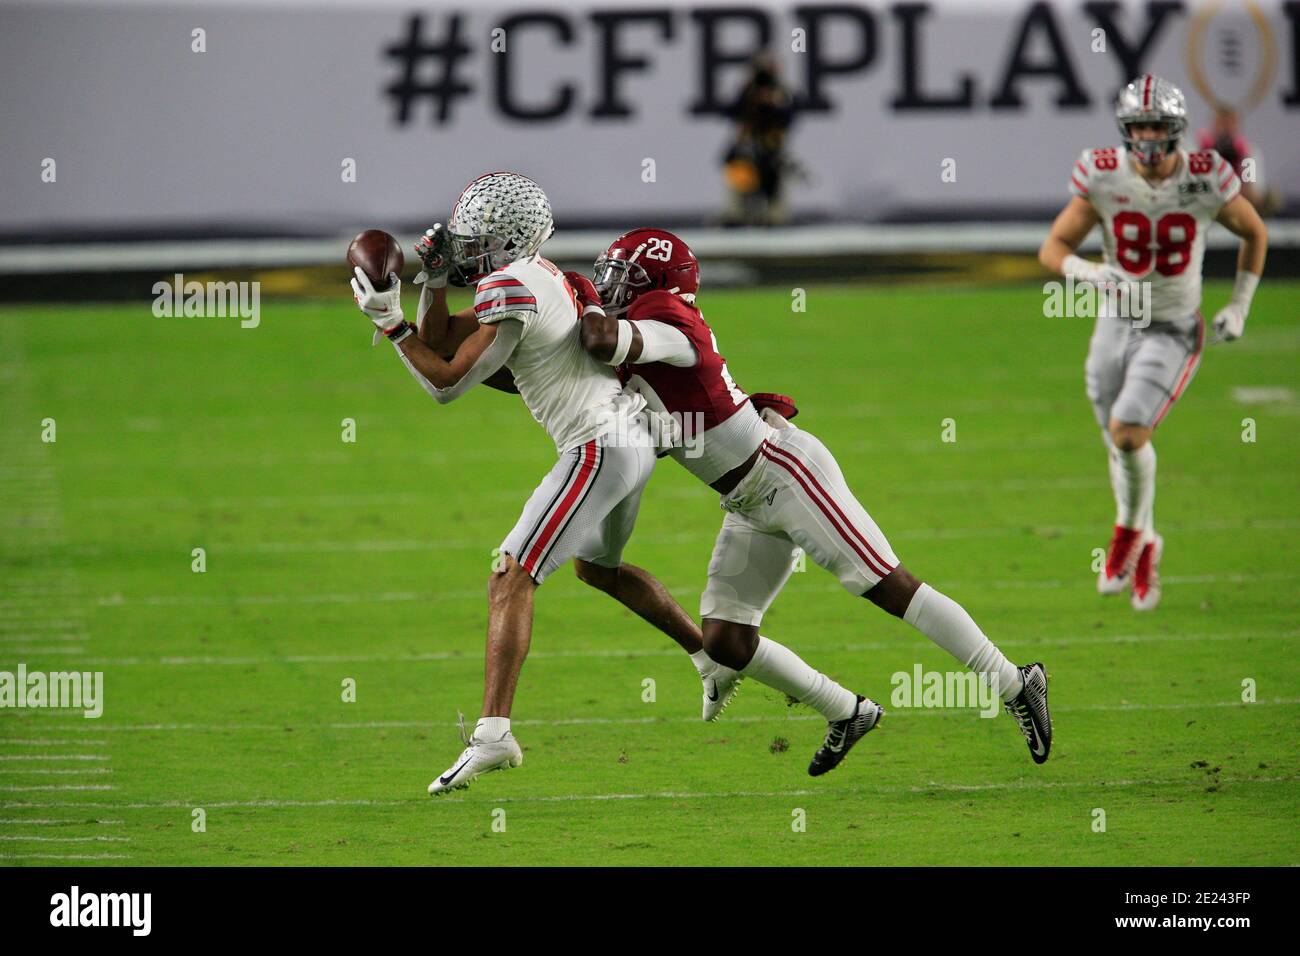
(1225, 137)
(756, 164)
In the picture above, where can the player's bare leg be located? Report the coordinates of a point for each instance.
(944, 621)
(849, 716)
(642, 593)
(1135, 550)
(510, 627)
(510, 631)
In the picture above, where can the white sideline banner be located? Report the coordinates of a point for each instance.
(315, 116)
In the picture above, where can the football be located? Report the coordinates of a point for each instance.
(378, 254)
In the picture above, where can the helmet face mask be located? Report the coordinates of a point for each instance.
(1151, 101)
(615, 280)
(641, 261)
(474, 256)
(498, 219)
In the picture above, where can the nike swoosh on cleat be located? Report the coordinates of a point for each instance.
(714, 695)
(444, 780)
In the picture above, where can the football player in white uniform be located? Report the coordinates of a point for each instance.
(521, 335)
(1154, 202)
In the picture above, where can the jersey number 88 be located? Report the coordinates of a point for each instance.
(1133, 242)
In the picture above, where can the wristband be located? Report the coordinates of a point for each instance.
(400, 332)
(1244, 289)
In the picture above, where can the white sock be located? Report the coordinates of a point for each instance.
(1133, 479)
(491, 729)
(777, 666)
(702, 661)
(946, 622)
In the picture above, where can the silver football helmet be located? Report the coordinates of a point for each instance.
(499, 217)
(1151, 99)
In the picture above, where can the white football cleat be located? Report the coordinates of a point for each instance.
(478, 757)
(1146, 576)
(720, 685)
(1116, 576)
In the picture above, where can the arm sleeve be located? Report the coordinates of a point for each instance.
(661, 342)
(487, 364)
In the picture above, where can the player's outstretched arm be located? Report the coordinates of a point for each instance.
(444, 332)
(1068, 231)
(439, 328)
(482, 356)
(1243, 220)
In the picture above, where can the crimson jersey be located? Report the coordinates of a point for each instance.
(703, 398)
(707, 386)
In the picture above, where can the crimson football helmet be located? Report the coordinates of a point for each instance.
(641, 261)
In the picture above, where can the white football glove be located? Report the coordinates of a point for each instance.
(1230, 323)
(382, 307)
(1099, 273)
(775, 419)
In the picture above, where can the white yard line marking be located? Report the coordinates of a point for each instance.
(476, 657)
(53, 756)
(854, 793)
(1122, 706)
(49, 742)
(18, 838)
(64, 856)
(37, 772)
(431, 597)
(17, 624)
(46, 822)
(11, 638)
(62, 786)
(43, 651)
(707, 533)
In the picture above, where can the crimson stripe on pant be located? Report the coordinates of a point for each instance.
(1189, 367)
(767, 450)
(577, 485)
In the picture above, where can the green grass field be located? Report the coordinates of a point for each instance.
(328, 560)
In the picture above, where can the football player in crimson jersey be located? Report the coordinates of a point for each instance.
(1154, 202)
(781, 488)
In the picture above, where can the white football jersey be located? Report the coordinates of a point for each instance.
(574, 397)
(1156, 231)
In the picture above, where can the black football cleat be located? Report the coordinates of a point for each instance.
(1031, 713)
(843, 734)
